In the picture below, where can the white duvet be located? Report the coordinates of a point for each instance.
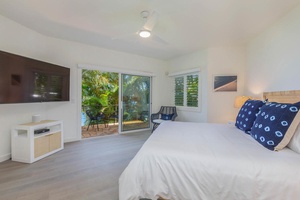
(202, 161)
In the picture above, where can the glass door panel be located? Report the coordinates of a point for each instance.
(135, 102)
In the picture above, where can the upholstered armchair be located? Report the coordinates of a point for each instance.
(165, 113)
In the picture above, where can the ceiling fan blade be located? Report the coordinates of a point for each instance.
(159, 39)
(151, 18)
(151, 21)
(125, 36)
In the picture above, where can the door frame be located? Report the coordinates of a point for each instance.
(121, 105)
(80, 67)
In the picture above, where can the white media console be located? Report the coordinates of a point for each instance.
(28, 147)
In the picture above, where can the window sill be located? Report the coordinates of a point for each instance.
(188, 109)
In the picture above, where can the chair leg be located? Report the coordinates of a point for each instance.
(89, 125)
(154, 127)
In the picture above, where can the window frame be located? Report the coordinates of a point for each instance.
(185, 107)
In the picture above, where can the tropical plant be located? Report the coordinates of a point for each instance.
(136, 94)
(100, 92)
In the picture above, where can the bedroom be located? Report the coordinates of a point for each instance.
(274, 51)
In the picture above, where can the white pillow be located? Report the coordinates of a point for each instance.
(294, 144)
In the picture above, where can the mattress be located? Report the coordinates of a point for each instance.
(204, 161)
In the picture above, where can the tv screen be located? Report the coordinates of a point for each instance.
(25, 80)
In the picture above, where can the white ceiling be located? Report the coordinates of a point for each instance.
(184, 26)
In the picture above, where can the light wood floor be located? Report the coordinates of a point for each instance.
(84, 170)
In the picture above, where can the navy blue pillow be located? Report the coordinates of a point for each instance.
(247, 114)
(275, 124)
(166, 116)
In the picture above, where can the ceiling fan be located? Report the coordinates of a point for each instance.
(146, 31)
(150, 21)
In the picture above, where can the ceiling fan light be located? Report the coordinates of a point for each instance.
(144, 33)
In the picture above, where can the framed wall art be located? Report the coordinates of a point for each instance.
(225, 83)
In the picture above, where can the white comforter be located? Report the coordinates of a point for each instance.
(201, 161)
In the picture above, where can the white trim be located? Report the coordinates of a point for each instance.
(116, 70)
(120, 109)
(121, 106)
(185, 107)
(120, 72)
(5, 157)
(189, 109)
(73, 139)
(79, 93)
(135, 131)
(188, 71)
(185, 90)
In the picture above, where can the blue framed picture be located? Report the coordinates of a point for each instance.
(225, 83)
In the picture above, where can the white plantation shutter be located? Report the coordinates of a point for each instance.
(179, 91)
(192, 90)
(186, 92)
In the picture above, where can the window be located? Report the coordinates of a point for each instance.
(187, 90)
(192, 90)
(179, 91)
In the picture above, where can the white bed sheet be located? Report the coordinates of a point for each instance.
(202, 161)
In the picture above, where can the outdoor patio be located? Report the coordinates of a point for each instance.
(111, 128)
(93, 132)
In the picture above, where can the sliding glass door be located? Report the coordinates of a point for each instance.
(135, 98)
(113, 102)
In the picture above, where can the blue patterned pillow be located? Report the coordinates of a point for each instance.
(247, 114)
(166, 116)
(276, 124)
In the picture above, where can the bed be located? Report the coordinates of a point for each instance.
(204, 161)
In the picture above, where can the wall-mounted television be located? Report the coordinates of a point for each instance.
(25, 80)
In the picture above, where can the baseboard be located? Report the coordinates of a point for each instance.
(66, 140)
(8, 156)
(5, 157)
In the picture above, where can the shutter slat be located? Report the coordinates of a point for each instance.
(192, 90)
(179, 91)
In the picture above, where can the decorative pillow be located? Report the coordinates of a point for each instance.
(275, 124)
(294, 144)
(247, 114)
(166, 116)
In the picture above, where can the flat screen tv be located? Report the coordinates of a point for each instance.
(25, 80)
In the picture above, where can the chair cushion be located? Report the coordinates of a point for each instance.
(158, 121)
(166, 116)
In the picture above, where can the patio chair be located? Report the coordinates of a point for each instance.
(144, 116)
(165, 113)
(94, 119)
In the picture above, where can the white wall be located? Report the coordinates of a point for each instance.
(273, 58)
(216, 107)
(191, 61)
(23, 41)
(270, 62)
(224, 61)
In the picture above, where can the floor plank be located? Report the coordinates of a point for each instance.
(87, 170)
